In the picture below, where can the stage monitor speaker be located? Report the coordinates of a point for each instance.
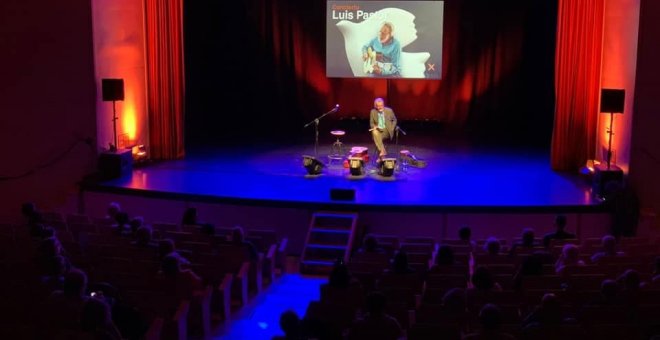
(342, 194)
(312, 165)
(612, 100)
(607, 181)
(112, 89)
(115, 164)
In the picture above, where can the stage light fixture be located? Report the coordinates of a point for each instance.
(312, 165)
(356, 166)
(386, 167)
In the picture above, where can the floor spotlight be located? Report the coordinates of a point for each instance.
(386, 167)
(356, 166)
(312, 165)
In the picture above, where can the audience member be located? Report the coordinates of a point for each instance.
(569, 257)
(492, 246)
(370, 245)
(113, 209)
(122, 223)
(179, 282)
(527, 243)
(445, 256)
(454, 308)
(143, 238)
(291, 325)
(608, 244)
(340, 277)
(166, 247)
(400, 264)
(465, 235)
(376, 324)
(548, 314)
(531, 265)
(490, 320)
(560, 233)
(207, 229)
(55, 268)
(65, 306)
(482, 280)
(609, 295)
(238, 238)
(480, 288)
(190, 217)
(97, 320)
(135, 224)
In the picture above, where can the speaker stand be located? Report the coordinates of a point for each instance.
(610, 133)
(113, 147)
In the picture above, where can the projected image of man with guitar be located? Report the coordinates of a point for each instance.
(382, 54)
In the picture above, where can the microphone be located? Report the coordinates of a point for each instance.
(336, 108)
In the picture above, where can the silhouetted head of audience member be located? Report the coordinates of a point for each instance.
(482, 279)
(290, 324)
(454, 301)
(96, 315)
(75, 283)
(113, 209)
(171, 265)
(550, 309)
(528, 237)
(49, 247)
(143, 236)
(445, 256)
(340, 277)
(165, 247)
(532, 264)
(136, 223)
(608, 243)
(560, 222)
(400, 262)
(609, 290)
(490, 317)
(122, 219)
(630, 280)
(492, 246)
(237, 234)
(208, 229)
(465, 233)
(370, 243)
(189, 216)
(376, 302)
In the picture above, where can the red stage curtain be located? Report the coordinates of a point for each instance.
(165, 77)
(577, 82)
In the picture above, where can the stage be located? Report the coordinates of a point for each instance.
(457, 178)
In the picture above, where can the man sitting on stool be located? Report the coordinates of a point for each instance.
(382, 122)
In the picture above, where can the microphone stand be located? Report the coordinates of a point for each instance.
(316, 129)
(396, 143)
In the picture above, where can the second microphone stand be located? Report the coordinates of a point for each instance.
(316, 129)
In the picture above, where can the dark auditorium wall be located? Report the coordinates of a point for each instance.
(645, 148)
(47, 100)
